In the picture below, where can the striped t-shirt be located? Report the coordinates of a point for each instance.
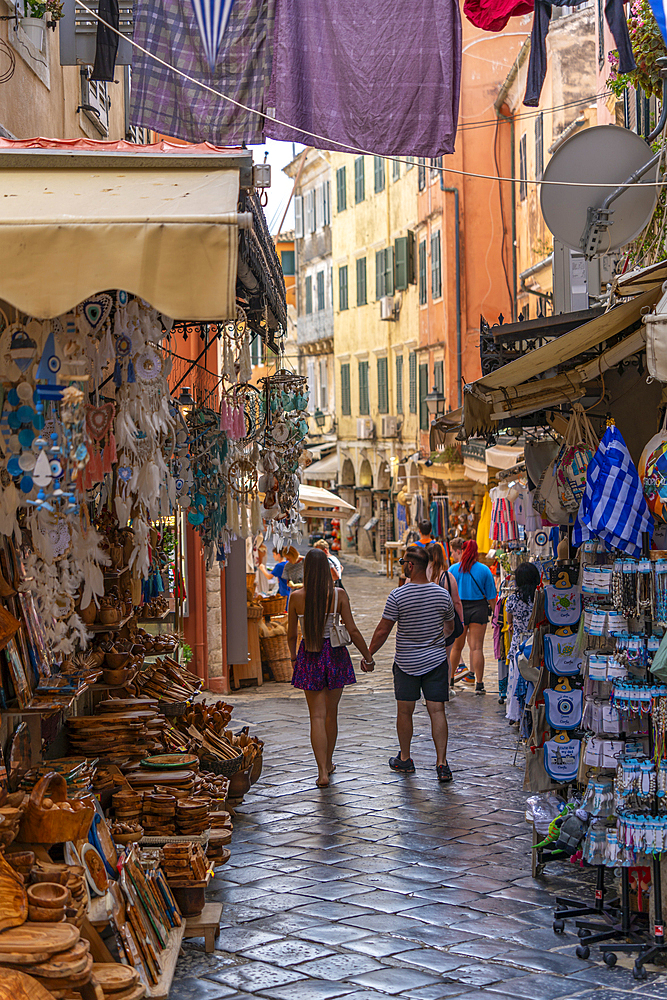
(421, 610)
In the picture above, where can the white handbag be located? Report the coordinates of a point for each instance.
(338, 633)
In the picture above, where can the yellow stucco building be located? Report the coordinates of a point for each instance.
(376, 331)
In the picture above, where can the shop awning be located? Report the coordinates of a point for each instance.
(326, 468)
(315, 496)
(513, 388)
(160, 221)
(502, 456)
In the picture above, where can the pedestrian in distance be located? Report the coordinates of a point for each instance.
(424, 614)
(477, 589)
(426, 536)
(321, 670)
(334, 562)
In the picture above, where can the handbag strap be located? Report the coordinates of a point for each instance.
(484, 597)
(335, 607)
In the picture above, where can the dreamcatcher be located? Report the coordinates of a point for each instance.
(236, 361)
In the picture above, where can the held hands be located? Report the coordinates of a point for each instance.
(368, 666)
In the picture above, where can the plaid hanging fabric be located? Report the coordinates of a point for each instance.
(613, 507)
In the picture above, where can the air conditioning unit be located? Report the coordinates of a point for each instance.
(389, 427)
(387, 307)
(365, 428)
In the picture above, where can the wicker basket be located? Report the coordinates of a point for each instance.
(218, 765)
(273, 605)
(282, 670)
(254, 613)
(172, 709)
(274, 648)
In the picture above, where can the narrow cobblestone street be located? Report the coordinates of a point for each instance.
(386, 884)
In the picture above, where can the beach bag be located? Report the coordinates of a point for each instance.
(652, 470)
(564, 707)
(338, 633)
(563, 605)
(559, 654)
(561, 758)
(571, 464)
(546, 500)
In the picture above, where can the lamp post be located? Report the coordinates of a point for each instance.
(319, 418)
(186, 401)
(435, 402)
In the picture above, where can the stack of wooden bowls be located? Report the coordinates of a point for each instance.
(192, 816)
(53, 954)
(159, 812)
(47, 902)
(118, 982)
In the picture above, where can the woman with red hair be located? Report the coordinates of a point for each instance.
(477, 590)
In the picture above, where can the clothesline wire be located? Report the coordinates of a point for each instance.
(580, 102)
(344, 147)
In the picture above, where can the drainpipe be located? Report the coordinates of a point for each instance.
(459, 373)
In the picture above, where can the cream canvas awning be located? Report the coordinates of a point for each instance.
(315, 496)
(158, 221)
(326, 468)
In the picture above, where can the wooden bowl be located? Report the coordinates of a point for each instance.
(117, 678)
(128, 838)
(109, 616)
(116, 660)
(49, 895)
(45, 914)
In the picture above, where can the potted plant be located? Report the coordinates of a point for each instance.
(41, 14)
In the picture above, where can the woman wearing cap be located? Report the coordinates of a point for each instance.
(477, 590)
(321, 669)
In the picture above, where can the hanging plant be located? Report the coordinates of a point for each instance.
(647, 46)
(51, 9)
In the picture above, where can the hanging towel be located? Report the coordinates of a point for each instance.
(484, 525)
(614, 507)
(371, 74)
(168, 104)
(107, 42)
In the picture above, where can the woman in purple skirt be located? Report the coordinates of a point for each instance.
(320, 669)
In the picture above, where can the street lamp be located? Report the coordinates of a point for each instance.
(185, 401)
(435, 402)
(319, 418)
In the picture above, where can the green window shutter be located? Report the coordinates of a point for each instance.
(379, 173)
(379, 274)
(399, 384)
(383, 386)
(401, 262)
(361, 282)
(409, 162)
(345, 402)
(309, 294)
(412, 375)
(412, 270)
(439, 375)
(423, 288)
(423, 392)
(359, 180)
(395, 169)
(342, 288)
(421, 173)
(436, 266)
(341, 190)
(320, 290)
(364, 408)
(389, 271)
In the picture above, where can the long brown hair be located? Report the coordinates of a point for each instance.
(437, 558)
(318, 594)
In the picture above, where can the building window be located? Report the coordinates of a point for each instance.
(287, 261)
(523, 169)
(309, 294)
(600, 12)
(404, 261)
(423, 392)
(362, 294)
(539, 146)
(384, 272)
(359, 182)
(345, 401)
(399, 383)
(341, 190)
(378, 173)
(364, 405)
(324, 385)
(383, 386)
(256, 350)
(439, 376)
(421, 173)
(412, 375)
(342, 288)
(311, 220)
(409, 162)
(436, 168)
(395, 169)
(298, 217)
(320, 291)
(436, 265)
(94, 94)
(423, 287)
(326, 203)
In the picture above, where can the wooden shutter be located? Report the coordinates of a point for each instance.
(383, 386)
(423, 290)
(342, 288)
(320, 290)
(399, 383)
(423, 392)
(341, 190)
(401, 262)
(361, 282)
(389, 271)
(379, 274)
(379, 173)
(436, 265)
(309, 294)
(439, 375)
(364, 408)
(421, 174)
(359, 180)
(326, 203)
(412, 270)
(345, 402)
(298, 217)
(412, 375)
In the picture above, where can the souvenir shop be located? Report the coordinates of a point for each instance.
(117, 785)
(587, 684)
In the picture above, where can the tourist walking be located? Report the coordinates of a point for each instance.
(321, 668)
(335, 564)
(424, 612)
(519, 611)
(477, 590)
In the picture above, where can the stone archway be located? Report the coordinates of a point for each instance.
(413, 479)
(365, 474)
(384, 476)
(347, 475)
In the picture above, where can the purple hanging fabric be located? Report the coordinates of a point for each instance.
(372, 74)
(165, 102)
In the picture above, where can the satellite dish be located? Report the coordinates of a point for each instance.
(607, 156)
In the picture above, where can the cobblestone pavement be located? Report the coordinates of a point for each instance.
(387, 884)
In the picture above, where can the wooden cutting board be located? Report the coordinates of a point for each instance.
(31, 937)
(135, 993)
(161, 777)
(62, 968)
(114, 978)
(14, 909)
(20, 986)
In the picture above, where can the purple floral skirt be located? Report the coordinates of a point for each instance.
(330, 668)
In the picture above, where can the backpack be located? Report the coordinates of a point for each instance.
(458, 624)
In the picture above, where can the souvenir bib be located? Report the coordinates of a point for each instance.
(563, 605)
(561, 758)
(564, 707)
(559, 654)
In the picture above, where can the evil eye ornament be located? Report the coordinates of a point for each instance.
(125, 473)
(123, 346)
(13, 398)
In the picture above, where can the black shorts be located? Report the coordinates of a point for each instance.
(475, 612)
(434, 685)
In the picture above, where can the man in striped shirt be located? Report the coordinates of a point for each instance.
(425, 616)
